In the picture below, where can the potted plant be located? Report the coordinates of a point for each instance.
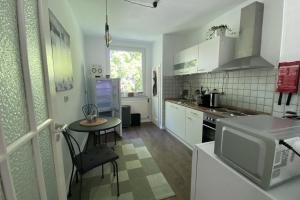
(220, 30)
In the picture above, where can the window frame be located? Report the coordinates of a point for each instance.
(130, 49)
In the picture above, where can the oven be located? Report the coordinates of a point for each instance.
(209, 128)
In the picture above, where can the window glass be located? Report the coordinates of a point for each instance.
(128, 66)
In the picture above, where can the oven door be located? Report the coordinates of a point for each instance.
(209, 131)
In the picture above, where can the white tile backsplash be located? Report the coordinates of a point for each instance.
(249, 89)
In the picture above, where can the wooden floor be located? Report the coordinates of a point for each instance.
(172, 157)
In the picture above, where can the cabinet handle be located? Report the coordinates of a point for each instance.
(209, 127)
(194, 113)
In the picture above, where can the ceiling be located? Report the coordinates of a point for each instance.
(134, 22)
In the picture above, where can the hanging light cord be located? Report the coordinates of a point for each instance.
(141, 4)
(106, 12)
(106, 28)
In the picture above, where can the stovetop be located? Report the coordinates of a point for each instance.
(215, 113)
(227, 112)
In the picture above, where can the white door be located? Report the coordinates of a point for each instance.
(156, 99)
(28, 150)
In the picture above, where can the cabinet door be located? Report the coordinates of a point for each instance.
(194, 122)
(175, 119)
(177, 59)
(209, 55)
(168, 117)
(179, 121)
(191, 53)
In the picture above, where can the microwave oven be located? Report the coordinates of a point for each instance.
(251, 145)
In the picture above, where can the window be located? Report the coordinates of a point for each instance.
(128, 66)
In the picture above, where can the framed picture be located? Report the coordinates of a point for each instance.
(61, 55)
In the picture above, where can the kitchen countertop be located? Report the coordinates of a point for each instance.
(217, 178)
(193, 105)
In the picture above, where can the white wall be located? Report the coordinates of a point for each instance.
(272, 31)
(231, 18)
(172, 43)
(290, 50)
(67, 112)
(272, 26)
(97, 53)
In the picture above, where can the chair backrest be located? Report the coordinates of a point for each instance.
(70, 142)
(90, 109)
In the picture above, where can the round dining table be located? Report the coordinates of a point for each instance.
(112, 123)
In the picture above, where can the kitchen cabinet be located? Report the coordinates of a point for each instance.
(184, 123)
(175, 119)
(193, 130)
(214, 53)
(186, 61)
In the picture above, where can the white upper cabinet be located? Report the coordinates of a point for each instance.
(214, 53)
(186, 61)
(204, 57)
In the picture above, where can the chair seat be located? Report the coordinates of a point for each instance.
(94, 157)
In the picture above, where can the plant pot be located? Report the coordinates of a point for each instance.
(220, 32)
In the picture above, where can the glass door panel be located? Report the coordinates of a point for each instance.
(48, 164)
(1, 191)
(13, 109)
(35, 60)
(24, 173)
(27, 176)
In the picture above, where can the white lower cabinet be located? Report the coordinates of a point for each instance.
(185, 123)
(193, 124)
(175, 119)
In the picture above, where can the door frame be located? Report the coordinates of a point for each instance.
(35, 129)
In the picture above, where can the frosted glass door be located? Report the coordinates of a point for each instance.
(26, 154)
(1, 190)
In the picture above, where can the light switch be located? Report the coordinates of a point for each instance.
(66, 99)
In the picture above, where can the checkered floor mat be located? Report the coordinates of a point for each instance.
(139, 176)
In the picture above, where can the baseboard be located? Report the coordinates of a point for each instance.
(69, 176)
(146, 120)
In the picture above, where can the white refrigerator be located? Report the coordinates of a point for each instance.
(106, 95)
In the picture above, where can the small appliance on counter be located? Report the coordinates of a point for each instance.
(265, 149)
(291, 115)
(211, 99)
(198, 97)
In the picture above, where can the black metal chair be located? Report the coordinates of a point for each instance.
(90, 159)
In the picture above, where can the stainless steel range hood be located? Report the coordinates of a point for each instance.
(248, 45)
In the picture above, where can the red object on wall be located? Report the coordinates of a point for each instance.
(288, 77)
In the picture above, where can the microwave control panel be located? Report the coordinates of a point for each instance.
(286, 163)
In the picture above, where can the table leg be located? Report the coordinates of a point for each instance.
(115, 133)
(99, 137)
(95, 138)
(105, 135)
(87, 142)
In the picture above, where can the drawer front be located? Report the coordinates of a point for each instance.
(194, 113)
